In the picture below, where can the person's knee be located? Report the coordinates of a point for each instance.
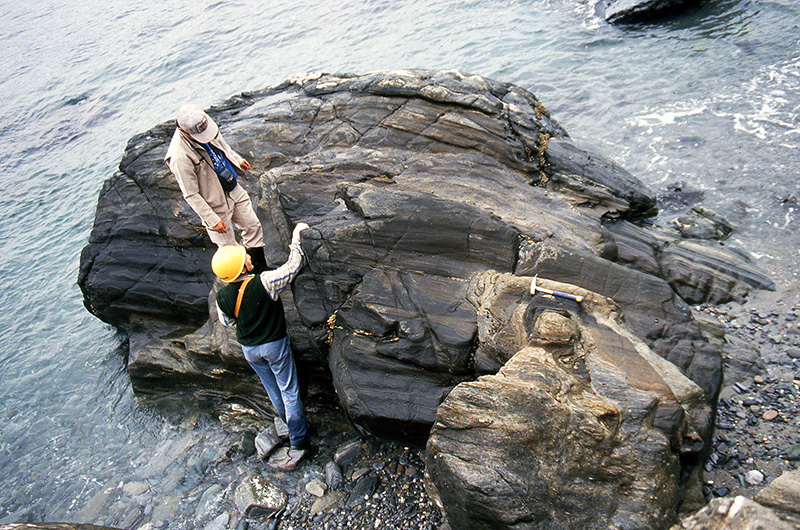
(293, 402)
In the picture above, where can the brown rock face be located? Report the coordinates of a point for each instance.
(583, 427)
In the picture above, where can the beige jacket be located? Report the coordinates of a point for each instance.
(192, 166)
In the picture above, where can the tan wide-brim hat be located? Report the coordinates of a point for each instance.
(196, 123)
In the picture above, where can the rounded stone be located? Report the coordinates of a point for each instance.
(770, 415)
(256, 493)
(135, 488)
(556, 328)
(317, 488)
(754, 477)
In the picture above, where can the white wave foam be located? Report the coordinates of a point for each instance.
(764, 107)
(588, 11)
(666, 117)
(767, 107)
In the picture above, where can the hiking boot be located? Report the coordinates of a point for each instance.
(286, 459)
(304, 445)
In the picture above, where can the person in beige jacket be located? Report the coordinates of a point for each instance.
(206, 168)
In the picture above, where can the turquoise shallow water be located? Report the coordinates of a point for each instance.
(710, 100)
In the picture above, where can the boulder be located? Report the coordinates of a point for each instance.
(257, 497)
(627, 11)
(414, 183)
(584, 426)
(783, 496)
(737, 513)
(776, 507)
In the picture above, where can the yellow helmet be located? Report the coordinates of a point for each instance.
(228, 262)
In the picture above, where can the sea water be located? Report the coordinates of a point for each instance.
(707, 101)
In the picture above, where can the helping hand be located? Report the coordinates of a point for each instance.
(297, 229)
(220, 227)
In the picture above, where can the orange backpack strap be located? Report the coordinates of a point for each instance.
(239, 298)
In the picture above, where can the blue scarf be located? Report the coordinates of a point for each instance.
(224, 168)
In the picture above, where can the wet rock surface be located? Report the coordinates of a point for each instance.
(629, 11)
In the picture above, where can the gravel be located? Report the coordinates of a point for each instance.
(758, 422)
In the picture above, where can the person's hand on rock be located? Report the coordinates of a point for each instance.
(297, 229)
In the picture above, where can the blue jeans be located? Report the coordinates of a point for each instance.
(274, 364)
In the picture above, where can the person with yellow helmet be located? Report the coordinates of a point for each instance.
(252, 303)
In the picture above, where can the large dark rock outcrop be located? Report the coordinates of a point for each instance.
(626, 11)
(416, 186)
(412, 182)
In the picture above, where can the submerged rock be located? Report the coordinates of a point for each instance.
(258, 497)
(625, 11)
(702, 223)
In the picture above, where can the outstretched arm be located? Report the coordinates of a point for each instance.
(277, 280)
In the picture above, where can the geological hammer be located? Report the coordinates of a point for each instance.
(535, 289)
